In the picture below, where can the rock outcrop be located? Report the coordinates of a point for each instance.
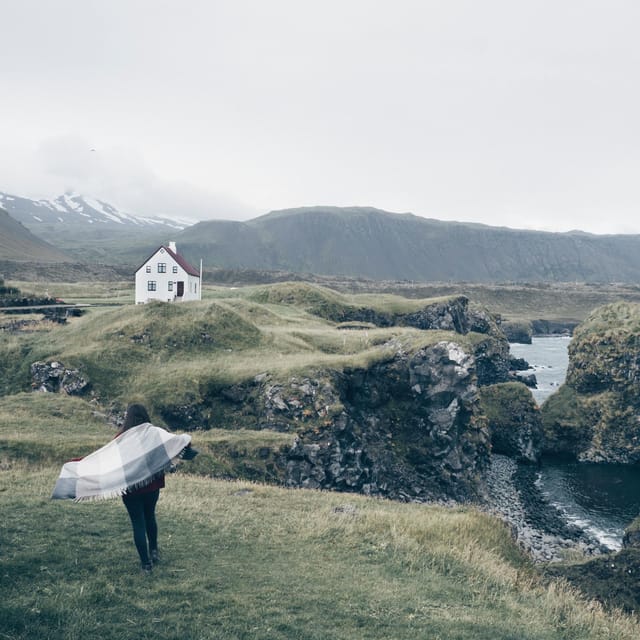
(553, 327)
(54, 377)
(410, 428)
(595, 416)
(408, 425)
(520, 332)
(514, 421)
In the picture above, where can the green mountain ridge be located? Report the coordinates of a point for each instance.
(371, 243)
(364, 243)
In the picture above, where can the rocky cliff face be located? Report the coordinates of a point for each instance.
(491, 347)
(595, 416)
(410, 428)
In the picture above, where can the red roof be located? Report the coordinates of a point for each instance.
(182, 262)
(192, 271)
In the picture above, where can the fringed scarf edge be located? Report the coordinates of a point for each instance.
(121, 491)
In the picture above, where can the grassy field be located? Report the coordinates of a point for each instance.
(176, 352)
(525, 302)
(243, 560)
(116, 292)
(240, 560)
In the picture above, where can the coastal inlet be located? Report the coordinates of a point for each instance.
(602, 499)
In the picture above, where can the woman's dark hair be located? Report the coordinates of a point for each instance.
(136, 414)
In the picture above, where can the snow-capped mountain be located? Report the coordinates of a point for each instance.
(78, 210)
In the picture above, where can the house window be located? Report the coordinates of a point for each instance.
(175, 269)
(162, 267)
(148, 268)
(170, 286)
(151, 285)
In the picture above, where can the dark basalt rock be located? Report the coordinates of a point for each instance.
(451, 315)
(519, 332)
(518, 364)
(527, 379)
(410, 429)
(54, 377)
(514, 421)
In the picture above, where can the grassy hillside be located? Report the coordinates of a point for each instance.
(170, 353)
(243, 560)
(19, 244)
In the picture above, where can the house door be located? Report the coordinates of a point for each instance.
(180, 289)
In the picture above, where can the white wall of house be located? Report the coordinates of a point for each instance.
(162, 278)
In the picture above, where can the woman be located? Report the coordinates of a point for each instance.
(141, 503)
(132, 465)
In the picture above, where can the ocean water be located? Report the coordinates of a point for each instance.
(548, 359)
(600, 498)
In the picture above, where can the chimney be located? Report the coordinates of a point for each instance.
(172, 246)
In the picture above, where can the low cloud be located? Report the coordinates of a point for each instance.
(121, 177)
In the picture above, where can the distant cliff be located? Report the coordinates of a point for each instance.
(367, 242)
(594, 415)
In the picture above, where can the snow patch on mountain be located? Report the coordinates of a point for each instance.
(77, 209)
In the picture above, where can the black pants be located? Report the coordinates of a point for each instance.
(142, 511)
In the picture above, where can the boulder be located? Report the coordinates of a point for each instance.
(54, 377)
(518, 364)
(527, 379)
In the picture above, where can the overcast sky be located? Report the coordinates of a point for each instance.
(506, 112)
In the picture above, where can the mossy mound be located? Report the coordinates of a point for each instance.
(594, 416)
(173, 327)
(604, 354)
(566, 423)
(323, 302)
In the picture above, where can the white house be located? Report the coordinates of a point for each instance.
(167, 276)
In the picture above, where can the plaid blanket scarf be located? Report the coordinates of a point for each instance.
(130, 461)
